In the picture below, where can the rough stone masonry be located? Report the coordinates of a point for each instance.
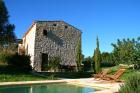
(55, 39)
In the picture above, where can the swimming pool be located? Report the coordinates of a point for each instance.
(46, 88)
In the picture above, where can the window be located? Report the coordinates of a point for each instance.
(66, 27)
(45, 32)
(26, 51)
(54, 24)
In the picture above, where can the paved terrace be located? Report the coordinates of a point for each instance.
(103, 86)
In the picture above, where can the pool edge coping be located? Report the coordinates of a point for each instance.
(31, 82)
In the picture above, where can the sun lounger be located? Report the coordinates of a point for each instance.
(101, 74)
(114, 77)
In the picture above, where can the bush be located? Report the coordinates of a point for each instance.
(4, 55)
(53, 64)
(8, 56)
(107, 64)
(132, 85)
(87, 65)
(20, 62)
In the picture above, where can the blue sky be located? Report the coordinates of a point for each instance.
(107, 19)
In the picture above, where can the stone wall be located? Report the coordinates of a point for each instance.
(61, 41)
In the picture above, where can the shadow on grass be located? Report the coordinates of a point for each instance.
(8, 73)
(70, 75)
(5, 69)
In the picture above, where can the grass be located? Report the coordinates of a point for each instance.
(71, 75)
(8, 74)
(21, 77)
(47, 76)
(129, 73)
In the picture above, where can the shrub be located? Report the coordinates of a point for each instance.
(4, 55)
(54, 63)
(107, 64)
(20, 62)
(87, 65)
(132, 85)
(8, 56)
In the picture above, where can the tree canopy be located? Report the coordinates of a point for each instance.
(127, 51)
(7, 35)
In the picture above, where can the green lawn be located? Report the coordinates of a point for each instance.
(8, 74)
(70, 75)
(11, 74)
(19, 77)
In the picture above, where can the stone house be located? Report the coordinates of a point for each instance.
(45, 39)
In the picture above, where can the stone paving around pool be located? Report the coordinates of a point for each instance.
(103, 86)
(31, 82)
(100, 85)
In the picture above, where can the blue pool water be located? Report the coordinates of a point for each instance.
(46, 88)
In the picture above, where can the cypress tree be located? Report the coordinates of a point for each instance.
(7, 35)
(79, 55)
(97, 58)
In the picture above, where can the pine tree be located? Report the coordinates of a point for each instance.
(7, 35)
(97, 57)
(79, 55)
